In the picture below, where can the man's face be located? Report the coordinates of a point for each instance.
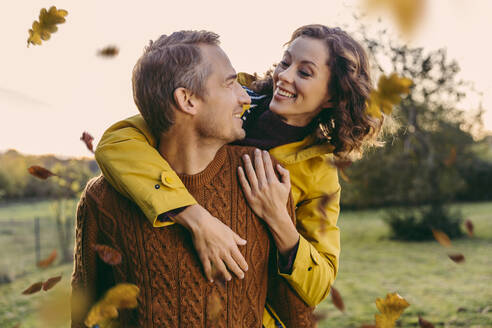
(219, 116)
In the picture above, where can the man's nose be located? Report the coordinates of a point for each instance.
(243, 96)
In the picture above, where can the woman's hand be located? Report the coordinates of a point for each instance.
(265, 193)
(268, 196)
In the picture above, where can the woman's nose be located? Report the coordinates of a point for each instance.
(286, 75)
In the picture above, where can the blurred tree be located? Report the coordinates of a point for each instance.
(431, 159)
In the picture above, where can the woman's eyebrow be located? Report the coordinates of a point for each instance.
(304, 61)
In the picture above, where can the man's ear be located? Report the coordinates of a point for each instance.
(186, 101)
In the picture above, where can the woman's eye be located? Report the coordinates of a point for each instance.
(304, 73)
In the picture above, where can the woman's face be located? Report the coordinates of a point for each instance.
(300, 89)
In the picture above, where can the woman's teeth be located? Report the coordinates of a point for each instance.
(285, 93)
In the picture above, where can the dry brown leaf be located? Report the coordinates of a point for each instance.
(451, 158)
(457, 257)
(424, 323)
(469, 227)
(42, 29)
(441, 238)
(337, 299)
(109, 51)
(109, 255)
(51, 282)
(341, 165)
(319, 316)
(34, 288)
(121, 296)
(87, 139)
(40, 172)
(49, 260)
(391, 309)
(368, 326)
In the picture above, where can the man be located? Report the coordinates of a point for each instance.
(186, 90)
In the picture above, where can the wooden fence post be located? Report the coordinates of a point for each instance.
(37, 240)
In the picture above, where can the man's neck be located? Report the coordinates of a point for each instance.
(187, 153)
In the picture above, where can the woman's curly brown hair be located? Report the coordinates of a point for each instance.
(347, 126)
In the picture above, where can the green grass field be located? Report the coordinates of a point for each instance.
(371, 265)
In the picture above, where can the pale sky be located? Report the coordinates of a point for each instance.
(50, 94)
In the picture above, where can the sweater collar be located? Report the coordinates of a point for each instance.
(212, 169)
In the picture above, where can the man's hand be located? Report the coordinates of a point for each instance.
(215, 243)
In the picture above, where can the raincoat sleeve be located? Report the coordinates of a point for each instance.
(130, 162)
(316, 263)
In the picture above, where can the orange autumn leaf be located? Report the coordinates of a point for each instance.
(51, 282)
(424, 323)
(457, 258)
(121, 296)
(469, 227)
(214, 307)
(49, 260)
(108, 254)
(34, 288)
(87, 139)
(391, 309)
(40, 172)
(442, 238)
(109, 51)
(48, 19)
(337, 300)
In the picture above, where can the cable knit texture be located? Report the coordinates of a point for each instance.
(164, 264)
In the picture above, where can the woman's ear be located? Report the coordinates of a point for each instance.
(327, 104)
(186, 101)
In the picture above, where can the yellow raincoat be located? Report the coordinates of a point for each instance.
(128, 159)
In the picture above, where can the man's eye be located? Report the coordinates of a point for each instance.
(284, 64)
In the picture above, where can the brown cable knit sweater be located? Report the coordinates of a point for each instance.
(165, 266)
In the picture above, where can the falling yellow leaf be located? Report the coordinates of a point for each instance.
(388, 94)
(42, 29)
(245, 79)
(122, 296)
(406, 13)
(391, 309)
(214, 307)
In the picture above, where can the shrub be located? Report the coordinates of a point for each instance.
(416, 224)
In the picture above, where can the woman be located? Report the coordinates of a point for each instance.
(310, 111)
